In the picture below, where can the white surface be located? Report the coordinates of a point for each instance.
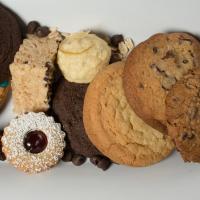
(170, 179)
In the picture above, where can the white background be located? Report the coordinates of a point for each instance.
(169, 180)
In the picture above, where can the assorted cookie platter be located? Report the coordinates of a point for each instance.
(86, 95)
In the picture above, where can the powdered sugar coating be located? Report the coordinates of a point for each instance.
(19, 157)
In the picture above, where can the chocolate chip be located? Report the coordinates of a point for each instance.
(155, 50)
(42, 31)
(141, 86)
(191, 54)
(185, 61)
(25, 62)
(95, 159)
(67, 156)
(186, 135)
(104, 163)
(116, 39)
(153, 66)
(115, 57)
(78, 160)
(169, 54)
(32, 26)
(184, 40)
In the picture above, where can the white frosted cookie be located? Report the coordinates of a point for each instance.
(81, 56)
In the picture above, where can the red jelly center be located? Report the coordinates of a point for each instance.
(35, 141)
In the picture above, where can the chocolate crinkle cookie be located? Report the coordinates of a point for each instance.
(68, 108)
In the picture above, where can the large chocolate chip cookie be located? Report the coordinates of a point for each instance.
(153, 67)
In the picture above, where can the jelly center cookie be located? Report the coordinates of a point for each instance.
(33, 142)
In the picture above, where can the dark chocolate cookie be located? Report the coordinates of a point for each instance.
(10, 40)
(68, 107)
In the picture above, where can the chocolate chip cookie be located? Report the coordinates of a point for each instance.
(10, 39)
(115, 129)
(183, 115)
(153, 67)
(68, 107)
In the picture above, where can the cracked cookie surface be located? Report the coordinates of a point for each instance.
(153, 67)
(183, 115)
(115, 129)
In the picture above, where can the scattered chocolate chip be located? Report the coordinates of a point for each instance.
(42, 31)
(95, 159)
(116, 39)
(185, 61)
(78, 160)
(169, 54)
(32, 26)
(114, 58)
(155, 50)
(186, 135)
(67, 157)
(104, 163)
